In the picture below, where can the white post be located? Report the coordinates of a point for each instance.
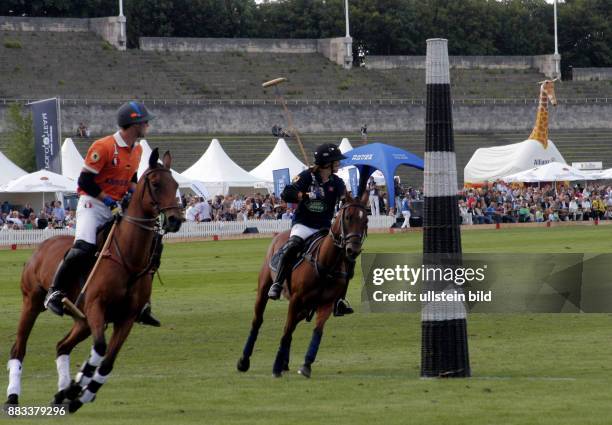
(556, 56)
(122, 22)
(346, 18)
(348, 41)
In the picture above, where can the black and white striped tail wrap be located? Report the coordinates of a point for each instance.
(444, 346)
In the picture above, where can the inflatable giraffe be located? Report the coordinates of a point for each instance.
(540, 130)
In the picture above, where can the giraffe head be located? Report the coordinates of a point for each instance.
(548, 87)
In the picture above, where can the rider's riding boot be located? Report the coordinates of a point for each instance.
(289, 251)
(342, 308)
(73, 265)
(146, 317)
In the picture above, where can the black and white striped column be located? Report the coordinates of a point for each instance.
(444, 346)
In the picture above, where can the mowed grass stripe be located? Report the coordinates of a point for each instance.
(528, 369)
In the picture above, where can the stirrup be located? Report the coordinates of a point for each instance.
(53, 301)
(146, 317)
(342, 308)
(275, 291)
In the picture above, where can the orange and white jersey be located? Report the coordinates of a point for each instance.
(114, 163)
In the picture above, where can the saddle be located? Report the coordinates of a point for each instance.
(309, 244)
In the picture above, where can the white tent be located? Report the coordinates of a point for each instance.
(40, 181)
(490, 164)
(280, 157)
(218, 172)
(184, 183)
(10, 171)
(603, 174)
(343, 173)
(72, 161)
(551, 172)
(31, 188)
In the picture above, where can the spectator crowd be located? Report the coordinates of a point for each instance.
(489, 204)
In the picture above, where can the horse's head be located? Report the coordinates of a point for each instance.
(548, 87)
(350, 227)
(157, 193)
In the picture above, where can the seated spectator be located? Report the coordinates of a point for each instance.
(82, 131)
(6, 207)
(524, 214)
(288, 214)
(539, 215)
(14, 220)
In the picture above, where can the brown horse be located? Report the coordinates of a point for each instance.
(315, 284)
(117, 292)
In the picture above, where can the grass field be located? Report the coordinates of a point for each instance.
(527, 369)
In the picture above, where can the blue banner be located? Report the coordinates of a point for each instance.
(281, 179)
(46, 123)
(353, 181)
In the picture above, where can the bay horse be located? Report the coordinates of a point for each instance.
(118, 289)
(315, 284)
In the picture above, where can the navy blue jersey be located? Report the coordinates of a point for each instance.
(318, 210)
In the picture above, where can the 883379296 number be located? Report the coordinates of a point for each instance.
(29, 411)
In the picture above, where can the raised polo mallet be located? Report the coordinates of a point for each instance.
(275, 83)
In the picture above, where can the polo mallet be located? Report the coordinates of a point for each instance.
(274, 83)
(71, 308)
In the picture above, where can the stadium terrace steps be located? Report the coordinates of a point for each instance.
(82, 65)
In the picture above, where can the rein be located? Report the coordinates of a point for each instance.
(154, 224)
(339, 241)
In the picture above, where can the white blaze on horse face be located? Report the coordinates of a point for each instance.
(360, 214)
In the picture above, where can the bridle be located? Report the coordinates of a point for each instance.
(159, 222)
(343, 238)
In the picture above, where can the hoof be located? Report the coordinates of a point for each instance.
(59, 397)
(277, 374)
(243, 364)
(13, 399)
(286, 367)
(305, 371)
(73, 391)
(74, 406)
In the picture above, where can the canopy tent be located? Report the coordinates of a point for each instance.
(490, 164)
(72, 161)
(27, 188)
(343, 173)
(280, 157)
(602, 174)
(184, 183)
(551, 172)
(386, 158)
(10, 171)
(218, 172)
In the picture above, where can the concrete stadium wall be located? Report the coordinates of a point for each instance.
(543, 63)
(228, 119)
(248, 45)
(109, 28)
(591, 74)
(331, 48)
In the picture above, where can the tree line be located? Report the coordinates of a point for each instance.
(382, 27)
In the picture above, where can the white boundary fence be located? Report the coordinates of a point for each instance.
(188, 230)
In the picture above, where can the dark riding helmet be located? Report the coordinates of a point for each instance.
(133, 113)
(326, 153)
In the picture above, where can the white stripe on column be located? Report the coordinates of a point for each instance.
(440, 175)
(436, 62)
(437, 311)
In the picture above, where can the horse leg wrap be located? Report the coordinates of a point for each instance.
(63, 371)
(281, 356)
(313, 348)
(250, 343)
(92, 388)
(88, 369)
(14, 367)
